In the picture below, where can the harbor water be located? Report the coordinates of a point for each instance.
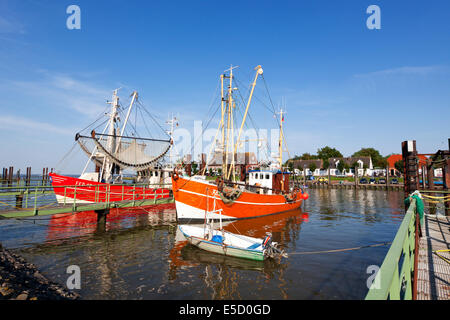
(141, 254)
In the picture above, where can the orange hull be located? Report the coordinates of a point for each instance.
(194, 197)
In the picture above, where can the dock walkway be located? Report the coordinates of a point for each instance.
(433, 278)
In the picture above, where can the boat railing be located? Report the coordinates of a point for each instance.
(246, 185)
(395, 278)
(33, 200)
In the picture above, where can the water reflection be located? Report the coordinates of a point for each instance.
(63, 226)
(221, 272)
(142, 256)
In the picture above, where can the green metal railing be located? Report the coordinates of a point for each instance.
(25, 201)
(394, 279)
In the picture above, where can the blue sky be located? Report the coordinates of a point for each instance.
(344, 85)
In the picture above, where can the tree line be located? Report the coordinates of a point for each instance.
(327, 152)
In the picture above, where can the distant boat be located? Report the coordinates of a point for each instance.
(112, 153)
(268, 190)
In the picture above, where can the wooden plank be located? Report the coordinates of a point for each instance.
(433, 280)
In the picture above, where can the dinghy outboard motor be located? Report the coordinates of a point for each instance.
(272, 247)
(267, 242)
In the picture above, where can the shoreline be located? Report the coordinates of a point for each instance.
(20, 280)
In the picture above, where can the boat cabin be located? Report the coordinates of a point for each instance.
(274, 181)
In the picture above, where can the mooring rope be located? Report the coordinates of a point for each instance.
(341, 250)
(443, 258)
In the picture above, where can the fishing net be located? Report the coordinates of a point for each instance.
(125, 152)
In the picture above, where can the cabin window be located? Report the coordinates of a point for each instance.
(256, 176)
(267, 176)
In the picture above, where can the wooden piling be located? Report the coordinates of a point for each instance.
(4, 175)
(101, 220)
(409, 153)
(19, 201)
(28, 176)
(10, 176)
(446, 181)
(18, 178)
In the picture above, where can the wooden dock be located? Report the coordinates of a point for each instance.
(433, 278)
(386, 187)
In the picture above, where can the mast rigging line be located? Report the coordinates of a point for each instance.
(127, 137)
(154, 120)
(273, 112)
(65, 156)
(268, 93)
(145, 124)
(204, 128)
(100, 117)
(212, 103)
(142, 166)
(252, 122)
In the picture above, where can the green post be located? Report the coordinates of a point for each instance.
(27, 191)
(35, 201)
(74, 207)
(65, 190)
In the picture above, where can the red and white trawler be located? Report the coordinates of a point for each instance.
(115, 151)
(265, 192)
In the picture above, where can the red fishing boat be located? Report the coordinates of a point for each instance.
(85, 191)
(266, 191)
(114, 153)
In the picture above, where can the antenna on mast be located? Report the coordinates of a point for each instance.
(280, 141)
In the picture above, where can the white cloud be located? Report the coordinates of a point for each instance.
(14, 122)
(407, 70)
(9, 26)
(64, 91)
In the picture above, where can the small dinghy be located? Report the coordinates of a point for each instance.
(231, 244)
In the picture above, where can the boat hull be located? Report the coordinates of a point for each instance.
(70, 190)
(232, 245)
(193, 198)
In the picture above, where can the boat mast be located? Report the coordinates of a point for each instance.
(111, 143)
(173, 121)
(230, 106)
(280, 141)
(259, 71)
(222, 122)
(135, 96)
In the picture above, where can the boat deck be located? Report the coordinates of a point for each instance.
(433, 280)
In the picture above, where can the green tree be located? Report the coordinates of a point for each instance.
(194, 167)
(377, 159)
(291, 166)
(308, 156)
(341, 166)
(346, 167)
(327, 152)
(399, 166)
(312, 167)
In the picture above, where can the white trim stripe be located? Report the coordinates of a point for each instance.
(241, 202)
